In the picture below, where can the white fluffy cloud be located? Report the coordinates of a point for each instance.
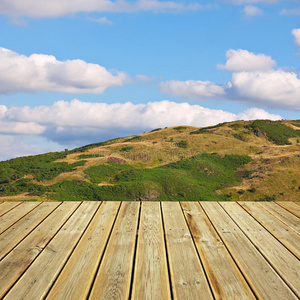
(55, 8)
(252, 11)
(257, 113)
(78, 120)
(192, 89)
(253, 82)
(273, 89)
(243, 60)
(19, 73)
(296, 34)
(118, 115)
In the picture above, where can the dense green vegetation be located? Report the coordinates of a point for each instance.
(40, 167)
(103, 173)
(195, 178)
(275, 131)
(191, 179)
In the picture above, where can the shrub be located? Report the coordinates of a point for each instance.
(182, 144)
(126, 149)
(157, 129)
(275, 131)
(239, 136)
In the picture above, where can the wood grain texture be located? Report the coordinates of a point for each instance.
(225, 278)
(17, 261)
(114, 275)
(287, 236)
(282, 260)
(7, 206)
(151, 278)
(77, 276)
(187, 275)
(292, 207)
(282, 214)
(150, 250)
(262, 278)
(40, 276)
(18, 231)
(15, 214)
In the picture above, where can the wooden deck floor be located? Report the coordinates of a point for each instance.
(149, 250)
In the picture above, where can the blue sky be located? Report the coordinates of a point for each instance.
(77, 72)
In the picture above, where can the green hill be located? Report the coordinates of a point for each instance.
(253, 160)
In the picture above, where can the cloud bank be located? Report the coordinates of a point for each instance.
(253, 81)
(79, 122)
(39, 72)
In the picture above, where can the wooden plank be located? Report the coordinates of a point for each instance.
(283, 261)
(187, 275)
(77, 276)
(290, 206)
(114, 275)
(15, 214)
(283, 215)
(17, 232)
(39, 277)
(225, 278)
(262, 278)
(17, 261)
(284, 234)
(7, 206)
(151, 278)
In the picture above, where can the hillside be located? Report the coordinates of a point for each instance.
(243, 160)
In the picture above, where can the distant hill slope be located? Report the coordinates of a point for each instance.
(243, 160)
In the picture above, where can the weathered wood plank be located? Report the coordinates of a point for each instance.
(13, 235)
(7, 206)
(76, 278)
(15, 214)
(114, 275)
(17, 261)
(151, 278)
(39, 277)
(225, 278)
(286, 236)
(290, 206)
(283, 215)
(283, 261)
(187, 275)
(262, 278)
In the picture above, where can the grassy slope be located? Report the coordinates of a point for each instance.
(158, 166)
